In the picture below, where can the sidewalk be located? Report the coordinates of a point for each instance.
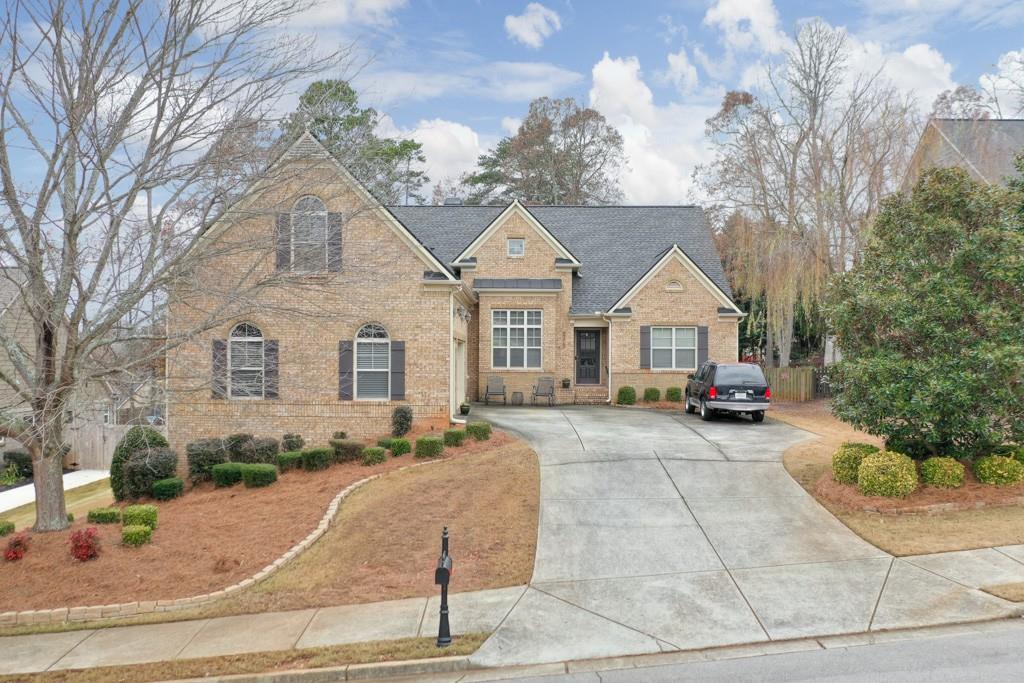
(23, 495)
(474, 612)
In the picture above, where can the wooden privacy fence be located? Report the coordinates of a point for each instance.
(92, 445)
(791, 384)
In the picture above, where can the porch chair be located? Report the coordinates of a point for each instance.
(495, 388)
(545, 388)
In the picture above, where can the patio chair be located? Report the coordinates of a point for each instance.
(545, 388)
(495, 388)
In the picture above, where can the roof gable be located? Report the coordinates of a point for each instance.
(515, 208)
(677, 254)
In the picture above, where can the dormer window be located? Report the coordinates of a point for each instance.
(516, 247)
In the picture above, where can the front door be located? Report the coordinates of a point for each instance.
(588, 356)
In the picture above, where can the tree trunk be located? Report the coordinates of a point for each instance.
(48, 479)
(769, 347)
(786, 337)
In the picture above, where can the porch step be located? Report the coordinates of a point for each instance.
(593, 394)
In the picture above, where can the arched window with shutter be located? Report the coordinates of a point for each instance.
(245, 362)
(373, 363)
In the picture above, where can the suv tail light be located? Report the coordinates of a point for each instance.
(768, 392)
(713, 393)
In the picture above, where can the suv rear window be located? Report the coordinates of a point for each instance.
(739, 374)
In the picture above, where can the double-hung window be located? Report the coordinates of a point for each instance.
(516, 339)
(373, 362)
(673, 348)
(245, 361)
(309, 236)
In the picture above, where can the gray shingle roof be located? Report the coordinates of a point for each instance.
(989, 146)
(517, 283)
(616, 245)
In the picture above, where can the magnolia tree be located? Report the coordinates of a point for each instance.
(126, 128)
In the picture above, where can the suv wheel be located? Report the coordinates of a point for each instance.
(705, 412)
(687, 406)
(757, 416)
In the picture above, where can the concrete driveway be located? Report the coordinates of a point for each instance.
(661, 532)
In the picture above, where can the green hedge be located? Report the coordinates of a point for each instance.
(135, 535)
(135, 439)
(429, 447)
(139, 514)
(166, 489)
(290, 460)
(400, 447)
(145, 467)
(292, 442)
(998, 470)
(226, 474)
(235, 443)
(262, 450)
(652, 394)
(454, 437)
(374, 455)
(674, 394)
(946, 473)
(314, 459)
(626, 396)
(385, 443)
(6, 528)
(401, 421)
(258, 474)
(202, 455)
(340, 435)
(104, 515)
(888, 474)
(481, 431)
(347, 450)
(846, 460)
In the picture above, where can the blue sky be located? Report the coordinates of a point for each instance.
(456, 75)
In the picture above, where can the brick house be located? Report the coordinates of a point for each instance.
(364, 307)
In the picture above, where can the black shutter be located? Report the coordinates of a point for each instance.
(334, 221)
(219, 374)
(270, 363)
(645, 346)
(397, 370)
(345, 370)
(284, 241)
(702, 346)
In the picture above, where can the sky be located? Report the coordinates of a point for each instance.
(457, 75)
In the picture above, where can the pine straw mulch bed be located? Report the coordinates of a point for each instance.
(206, 540)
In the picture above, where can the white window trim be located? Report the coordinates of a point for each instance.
(675, 348)
(291, 235)
(355, 364)
(262, 368)
(508, 247)
(526, 326)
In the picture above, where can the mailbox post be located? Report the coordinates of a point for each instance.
(442, 575)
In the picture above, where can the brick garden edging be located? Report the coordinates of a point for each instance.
(130, 609)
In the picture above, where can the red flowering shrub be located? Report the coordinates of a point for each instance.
(85, 544)
(16, 547)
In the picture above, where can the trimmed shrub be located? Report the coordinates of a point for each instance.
(340, 435)
(85, 544)
(347, 450)
(946, 473)
(226, 474)
(998, 471)
(21, 460)
(235, 443)
(888, 474)
(135, 535)
(674, 394)
(385, 443)
(166, 489)
(846, 461)
(915, 448)
(104, 516)
(6, 527)
(137, 438)
(71, 517)
(257, 474)
(16, 547)
(139, 514)
(262, 450)
(374, 455)
(202, 455)
(429, 447)
(401, 421)
(400, 447)
(652, 394)
(626, 396)
(145, 467)
(481, 431)
(292, 442)
(290, 460)
(317, 459)
(454, 437)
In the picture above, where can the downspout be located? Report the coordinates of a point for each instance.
(452, 384)
(608, 320)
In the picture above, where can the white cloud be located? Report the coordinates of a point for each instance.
(681, 71)
(451, 148)
(1006, 84)
(510, 124)
(895, 19)
(328, 13)
(533, 26)
(747, 25)
(919, 68)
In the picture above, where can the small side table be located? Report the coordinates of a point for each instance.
(517, 398)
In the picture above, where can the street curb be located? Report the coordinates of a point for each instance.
(349, 672)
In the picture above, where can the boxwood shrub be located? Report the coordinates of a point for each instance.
(317, 459)
(202, 455)
(166, 489)
(6, 527)
(226, 474)
(943, 472)
(139, 514)
(138, 438)
(385, 443)
(109, 515)
(454, 437)
(652, 394)
(374, 455)
(292, 442)
(235, 443)
(998, 470)
(340, 435)
(262, 450)
(481, 431)
(257, 474)
(145, 467)
(674, 394)
(290, 460)
(626, 396)
(846, 460)
(347, 450)
(135, 535)
(429, 447)
(888, 474)
(401, 421)
(400, 447)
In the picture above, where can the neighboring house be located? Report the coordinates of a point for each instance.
(985, 148)
(385, 306)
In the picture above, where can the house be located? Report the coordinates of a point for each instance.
(368, 307)
(985, 148)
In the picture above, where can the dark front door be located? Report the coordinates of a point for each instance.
(588, 356)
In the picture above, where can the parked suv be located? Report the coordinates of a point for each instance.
(728, 388)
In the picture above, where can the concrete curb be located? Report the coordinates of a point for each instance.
(130, 609)
(350, 672)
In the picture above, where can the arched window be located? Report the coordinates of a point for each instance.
(373, 362)
(245, 361)
(309, 235)
(674, 286)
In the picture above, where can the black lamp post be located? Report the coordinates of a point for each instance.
(442, 575)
